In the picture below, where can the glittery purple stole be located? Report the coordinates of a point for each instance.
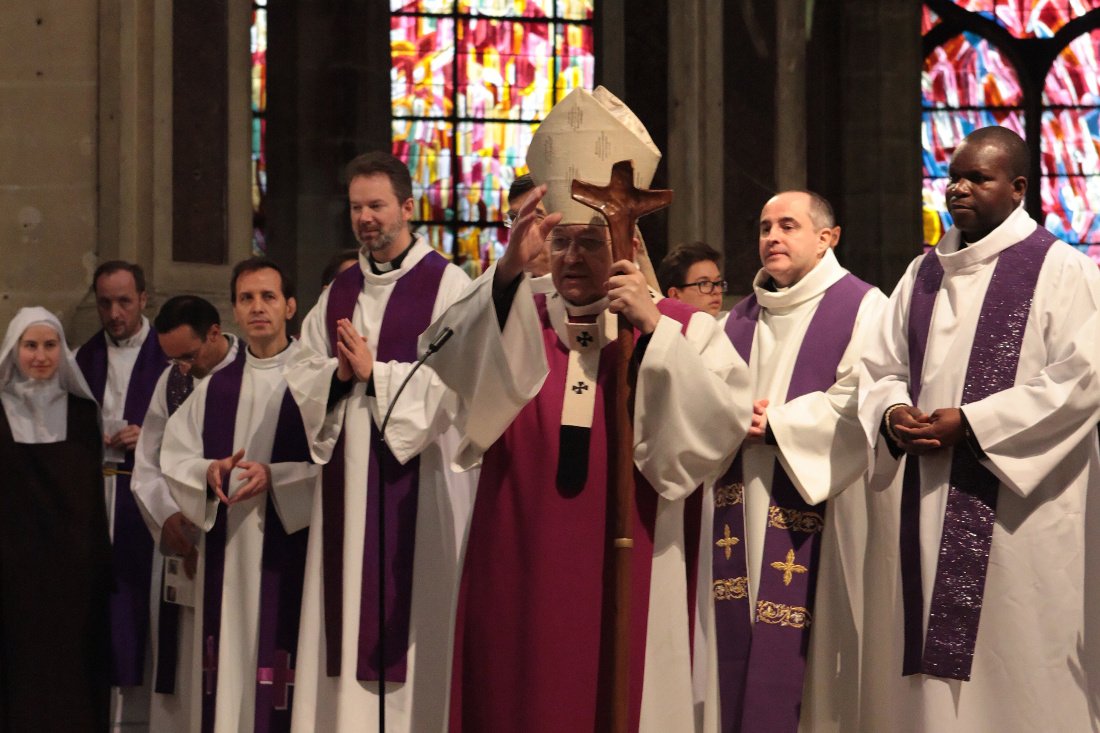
(972, 493)
(408, 313)
(761, 666)
(177, 389)
(132, 546)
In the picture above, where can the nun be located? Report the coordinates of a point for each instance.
(54, 545)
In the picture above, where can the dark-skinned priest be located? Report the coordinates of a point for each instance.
(535, 376)
(984, 378)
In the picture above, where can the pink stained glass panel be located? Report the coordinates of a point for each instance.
(508, 8)
(576, 64)
(425, 146)
(969, 71)
(928, 20)
(422, 55)
(1071, 207)
(490, 156)
(1030, 18)
(1071, 142)
(504, 69)
(943, 130)
(1073, 77)
(422, 6)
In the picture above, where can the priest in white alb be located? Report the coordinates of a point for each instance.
(236, 460)
(359, 342)
(534, 373)
(983, 594)
(783, 530)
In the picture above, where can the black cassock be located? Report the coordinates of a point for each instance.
(54, 580)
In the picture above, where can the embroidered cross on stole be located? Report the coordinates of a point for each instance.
(762, 652)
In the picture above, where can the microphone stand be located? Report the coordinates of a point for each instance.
(433, 347)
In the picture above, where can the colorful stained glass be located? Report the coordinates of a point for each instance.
(426, 146)
(258, 47)
(1030, 18)
(504, 69)
(508, 8)
(969, 71)
(422, 6)
(1071, 142)
(490, 156)
(942, 130)
(1072, 79)
(928, 20)
(422, 52)
(576, 64)
(934, 217)
(1071, 207)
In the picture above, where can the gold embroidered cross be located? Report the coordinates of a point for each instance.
(789, 567)
(727, 542)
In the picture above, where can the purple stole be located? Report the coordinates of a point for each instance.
(177, 389)
(533, 623)
(283, 563)
(408, 313)
(948, 650)
(132, 548)
(761, 666)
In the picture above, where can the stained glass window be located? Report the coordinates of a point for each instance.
(259, 124)
(470, 80)
(968, 82)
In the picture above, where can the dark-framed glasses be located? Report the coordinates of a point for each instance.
(706, 287)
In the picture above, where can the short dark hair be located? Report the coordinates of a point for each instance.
(821, 211)
(1014, 147)
(110, 267)
(520, 186)
(187, 310)
(329, 273)
(380, 163)
(678, 261)
(253, 264)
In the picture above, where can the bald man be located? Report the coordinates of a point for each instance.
(982, 379)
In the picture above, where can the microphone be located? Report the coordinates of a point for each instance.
(434, 346)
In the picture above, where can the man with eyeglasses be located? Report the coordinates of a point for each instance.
(690, 273)
(189, 331)
(781, 610)
(534, 374)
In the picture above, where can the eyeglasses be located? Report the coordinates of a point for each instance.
(511, 215)
(706, 287)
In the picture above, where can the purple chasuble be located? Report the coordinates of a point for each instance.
(948, 650)
(533, 625)
(283, 560)
(761, 665)
(132, 546)
(408, 314)
(177, 389)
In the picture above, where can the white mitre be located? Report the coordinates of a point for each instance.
(584, 135)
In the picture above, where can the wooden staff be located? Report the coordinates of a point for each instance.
(622, 204)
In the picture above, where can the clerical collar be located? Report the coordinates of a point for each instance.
(379, 268)
(131, 341)
(270, 362)
(592, 309)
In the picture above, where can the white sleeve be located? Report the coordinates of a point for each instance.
(692, 406)
(182, 461)
(822, 445)
(149, 487)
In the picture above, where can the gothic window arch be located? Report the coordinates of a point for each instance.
(1032, 66)
(470, 80)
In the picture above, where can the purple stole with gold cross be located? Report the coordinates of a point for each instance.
(408, 313)
(761, 665)
(132, 545)
(948, 649)
(282, 566)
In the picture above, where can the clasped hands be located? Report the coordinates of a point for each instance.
(918, 433)
(125, 439)
(255, 478)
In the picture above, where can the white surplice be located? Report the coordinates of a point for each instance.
(293, 484)
(821, 446)
(420, 425)
(691, 402)
(155, 501)
(1037, 657)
